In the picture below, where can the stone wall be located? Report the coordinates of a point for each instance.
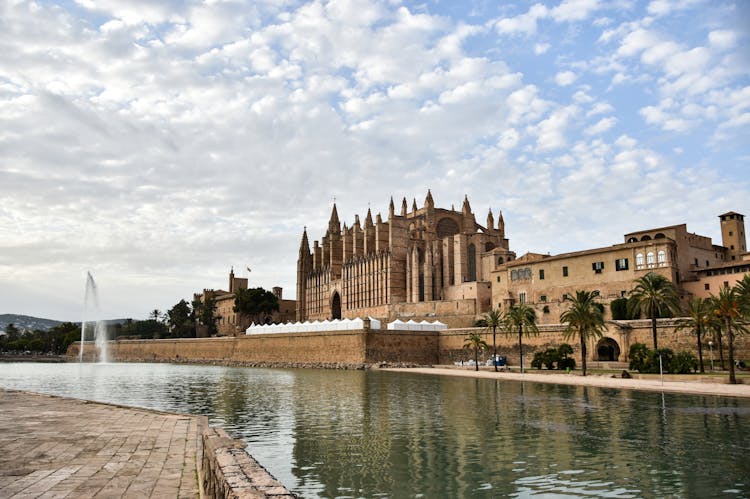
(228, 471)
(625, 333)
(356, 348)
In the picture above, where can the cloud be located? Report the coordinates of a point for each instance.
(601, 126)
(159, 144)
(565, 78)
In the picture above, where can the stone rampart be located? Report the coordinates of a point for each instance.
(361, 347)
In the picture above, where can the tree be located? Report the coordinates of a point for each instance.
(205, 311)
(728, 306)
(155, 315)
(12, 331)
(475, 341)
(655, 296)
(518, 318)
(698, 318)
(585, 319)
(180, 323)
(493, 319)
(255, 303)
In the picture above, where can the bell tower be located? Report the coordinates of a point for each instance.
(733, 234)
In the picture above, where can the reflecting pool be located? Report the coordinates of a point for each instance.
(378, 434)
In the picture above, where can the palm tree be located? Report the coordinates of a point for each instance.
(585, 319)
(728, 306)
(654, 295)
(517, 318)
(475, 341)
(699, 319)
(493, 319)
(743, 290)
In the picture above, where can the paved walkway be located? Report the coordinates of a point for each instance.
(53, 447)
(652, 384)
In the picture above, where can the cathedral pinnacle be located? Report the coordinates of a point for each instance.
(466, 207)
(414, 205)
(403, 207)
(334, 227)
(368, 218)
(304, 245)
(391, 209)
(429, 202)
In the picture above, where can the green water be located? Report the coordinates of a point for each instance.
(377, 434)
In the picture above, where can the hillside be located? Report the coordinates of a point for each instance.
(27, 322)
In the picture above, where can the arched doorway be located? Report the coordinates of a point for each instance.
(336, 306)
(607, 350)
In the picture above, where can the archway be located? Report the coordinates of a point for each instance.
(336, 306)
(607, 350)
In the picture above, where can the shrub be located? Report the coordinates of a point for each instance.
(565, 362)
(546, 358)
(683, 363)
(640, 358)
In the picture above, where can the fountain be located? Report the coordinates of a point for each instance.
(91, 297)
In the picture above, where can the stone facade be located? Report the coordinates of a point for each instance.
(229, 322)
(688, 260)
(407, 266)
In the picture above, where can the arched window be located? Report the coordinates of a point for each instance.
(499, 260)
(650, 259)
(646, 238)
(472, 256)
(633, 240)
(661, 258)
(659, 235)
(639, 260)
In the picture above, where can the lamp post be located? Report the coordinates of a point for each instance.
(711, 350)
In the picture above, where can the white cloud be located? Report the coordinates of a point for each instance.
(541, 48)
(565, 78)
(524, 23)
(171, 139)
(601, 126)
(574, 10)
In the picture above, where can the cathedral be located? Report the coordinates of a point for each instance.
(419, 264)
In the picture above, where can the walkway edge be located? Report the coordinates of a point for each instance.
(654, 385)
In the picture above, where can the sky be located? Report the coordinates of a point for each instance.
(157, 144)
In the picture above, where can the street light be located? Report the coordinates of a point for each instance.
(711, 349)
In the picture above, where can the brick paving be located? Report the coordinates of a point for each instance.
(53, 447)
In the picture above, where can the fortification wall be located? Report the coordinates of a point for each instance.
(625, 333)
(392, 347)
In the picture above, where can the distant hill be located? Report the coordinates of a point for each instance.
(36, 323)
(27, 322)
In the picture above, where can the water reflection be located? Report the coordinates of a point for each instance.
(369, 434)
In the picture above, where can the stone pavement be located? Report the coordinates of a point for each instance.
(53, 447)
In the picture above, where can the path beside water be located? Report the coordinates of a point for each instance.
(56, 447)
(712, 387)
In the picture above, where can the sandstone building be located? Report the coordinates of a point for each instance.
(422, 263)
(229, 322)
(691, 261)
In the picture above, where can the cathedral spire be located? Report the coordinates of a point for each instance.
(466, 209)
(490, 221)
(403, 207)
(428, 201)
(391, 209)
(501, 224)
(414, 205)
(334, 227)
(368, 218)
(304, 245)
